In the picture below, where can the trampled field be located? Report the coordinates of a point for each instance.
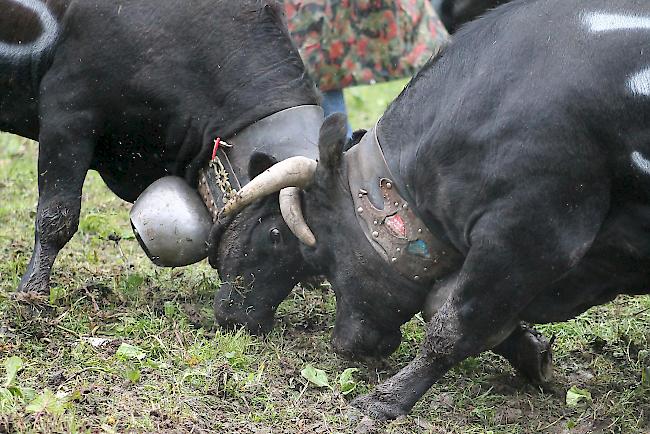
(119, 345)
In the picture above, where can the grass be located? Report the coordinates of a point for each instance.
(119, 345)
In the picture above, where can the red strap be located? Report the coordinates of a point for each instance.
(217, 142)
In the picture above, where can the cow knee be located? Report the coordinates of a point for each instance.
(57, 221)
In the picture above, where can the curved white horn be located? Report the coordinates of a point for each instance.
(292, 172)
(292, 213)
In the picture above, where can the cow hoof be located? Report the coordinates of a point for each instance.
(361, 423)
(37, 276)
(33, 286)
(368, 425)
(377, 409)
(353, 415)
(530, 353)
(537, 357)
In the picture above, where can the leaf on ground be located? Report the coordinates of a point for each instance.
(575, 396)
(130, 352)
(133, 375)
(347, 381)
(12, 365)
(318, 377)
(47, 402)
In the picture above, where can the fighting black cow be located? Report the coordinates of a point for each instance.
(138, 90)
(508, 183)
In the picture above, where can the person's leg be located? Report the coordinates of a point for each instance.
(334, 102)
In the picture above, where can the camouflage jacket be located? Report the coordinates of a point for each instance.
(349, 42)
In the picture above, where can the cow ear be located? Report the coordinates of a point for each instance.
(276, 10)
(332, 139)
(258, 163)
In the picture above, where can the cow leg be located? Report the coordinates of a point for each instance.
(66, 149)
(529, 352)
(474, 319)
(514, 254)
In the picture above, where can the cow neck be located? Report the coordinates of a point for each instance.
(387, 218)
(285, 134)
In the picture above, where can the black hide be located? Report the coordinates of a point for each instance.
(136, 89)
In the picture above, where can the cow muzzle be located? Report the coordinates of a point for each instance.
(233, 310)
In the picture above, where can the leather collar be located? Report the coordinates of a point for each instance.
(388, 220)
(284, 134)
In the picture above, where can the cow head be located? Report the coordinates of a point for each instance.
(372, 300)
(258, 259)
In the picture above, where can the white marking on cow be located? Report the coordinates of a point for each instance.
(639, 83)
(44, 41)
(641, 162)
(607, 22)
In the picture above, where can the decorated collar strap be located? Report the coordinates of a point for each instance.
(284, 134)
(388, 221)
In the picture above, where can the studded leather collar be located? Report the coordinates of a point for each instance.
(284, 134)
(388, 221)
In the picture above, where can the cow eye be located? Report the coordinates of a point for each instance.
(275, 236)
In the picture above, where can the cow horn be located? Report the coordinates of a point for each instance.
(292, 172)
(292, 213)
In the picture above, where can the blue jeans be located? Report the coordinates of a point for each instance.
(333, 102)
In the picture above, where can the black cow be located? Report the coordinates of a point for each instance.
(509, 182)
(138, 90)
